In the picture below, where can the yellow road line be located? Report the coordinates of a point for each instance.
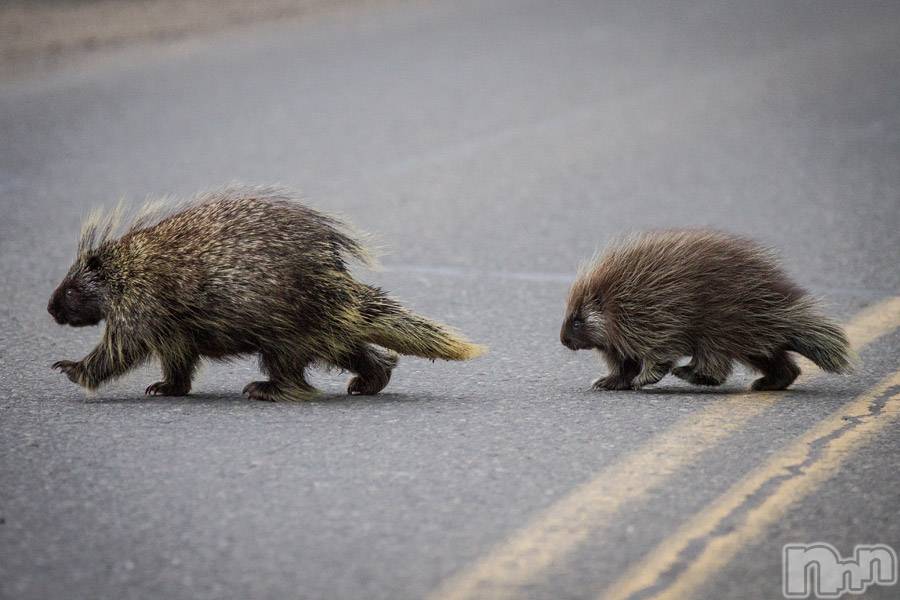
(791, 475)
(567, 523)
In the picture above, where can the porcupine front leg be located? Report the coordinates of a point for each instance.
(651, 373)
(287, 379)
(372, 367)
(178, 370)
(622, 371)
(110, 359)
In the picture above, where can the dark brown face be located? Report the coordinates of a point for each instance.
(584, 327)
(78, 299)
(574, 332)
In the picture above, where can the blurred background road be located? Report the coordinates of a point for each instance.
(491, 147)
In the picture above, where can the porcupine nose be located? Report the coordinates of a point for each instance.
(54, 310)
(566, 340)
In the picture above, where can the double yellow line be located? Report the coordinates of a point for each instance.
(785, 479)
(562, 527)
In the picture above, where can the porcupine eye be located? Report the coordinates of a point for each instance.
(577, 323)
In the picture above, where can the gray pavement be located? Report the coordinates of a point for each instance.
(491, 147)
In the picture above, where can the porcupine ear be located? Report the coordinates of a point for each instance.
(93, 263)
(96, 265)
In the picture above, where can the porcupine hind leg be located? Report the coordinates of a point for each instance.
(779, 371)
(651, 373)
(688, 373)
(286, 379)
(178, 370)
(685, 372)
(705, 368)
(622, 371)
(372, 367)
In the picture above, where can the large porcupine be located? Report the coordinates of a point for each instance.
(232, 272)
(717, 298)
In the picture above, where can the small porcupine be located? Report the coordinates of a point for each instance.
(237, 271)
(664, 295)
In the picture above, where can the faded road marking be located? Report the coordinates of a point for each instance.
(562, 527)
(708, 542)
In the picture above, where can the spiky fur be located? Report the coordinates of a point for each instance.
(240, 271)
(660, 296)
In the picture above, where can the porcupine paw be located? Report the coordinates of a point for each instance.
(769, 383)
(165, 388)
(368, 385)
(268, 391)
(611, 382)
(692, 376)
(69, 368)
(700, 379)
(685, 372)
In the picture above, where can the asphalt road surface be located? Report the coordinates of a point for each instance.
(491, 147)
